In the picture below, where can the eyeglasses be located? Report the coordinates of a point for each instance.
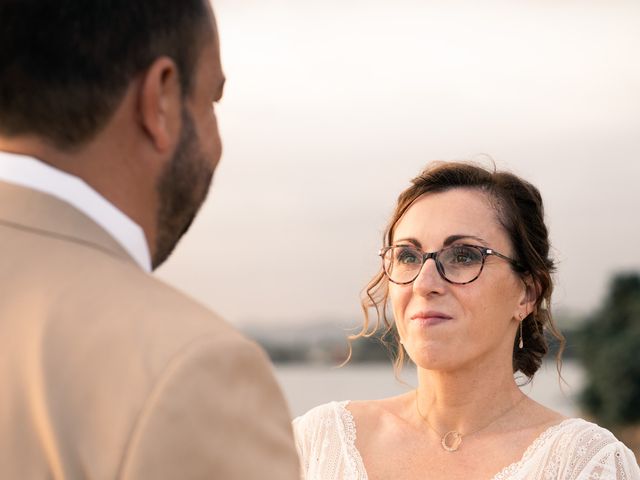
(458, 264)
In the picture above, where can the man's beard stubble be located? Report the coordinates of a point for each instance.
(182, 188)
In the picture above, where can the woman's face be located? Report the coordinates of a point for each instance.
(444, 326)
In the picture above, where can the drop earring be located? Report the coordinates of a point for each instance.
(521, 344)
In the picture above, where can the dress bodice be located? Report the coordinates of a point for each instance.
(571, 450)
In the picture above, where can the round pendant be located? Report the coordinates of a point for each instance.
(451, 441)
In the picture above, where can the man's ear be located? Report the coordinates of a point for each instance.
(160, 104)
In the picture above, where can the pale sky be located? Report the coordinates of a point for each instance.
(332, 106)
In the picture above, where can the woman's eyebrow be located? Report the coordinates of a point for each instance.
(448, 241)
(454, 238)
(413, 241)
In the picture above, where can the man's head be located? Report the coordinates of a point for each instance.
(121, 92)
(65, 65)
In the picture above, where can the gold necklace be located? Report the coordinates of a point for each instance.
(452, 440)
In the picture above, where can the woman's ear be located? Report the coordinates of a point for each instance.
(530, 294)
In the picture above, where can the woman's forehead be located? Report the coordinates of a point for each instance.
(435, 216)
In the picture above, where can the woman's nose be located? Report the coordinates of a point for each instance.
(429, 279)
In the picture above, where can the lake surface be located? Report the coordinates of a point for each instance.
(306, 386)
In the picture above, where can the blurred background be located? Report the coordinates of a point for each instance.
(332, 106)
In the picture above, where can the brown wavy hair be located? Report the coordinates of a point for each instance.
(520, 211)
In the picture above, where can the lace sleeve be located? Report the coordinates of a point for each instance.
(613, 462)
(302, 432)
(325, 439)
(592, 452)
(576, 450)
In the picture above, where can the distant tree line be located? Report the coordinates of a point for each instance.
(330, 351)
(608, 345)
(376, 348)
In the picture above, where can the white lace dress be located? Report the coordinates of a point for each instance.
(572, 450)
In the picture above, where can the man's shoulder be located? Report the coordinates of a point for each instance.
(146, 305)
(102, 297)
(77, 291)
(88, 278)
(119, 287)
(150, 293)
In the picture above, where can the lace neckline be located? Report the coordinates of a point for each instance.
(349, 426)
(540, 440)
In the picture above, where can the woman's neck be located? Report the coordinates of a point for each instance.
(466, 399)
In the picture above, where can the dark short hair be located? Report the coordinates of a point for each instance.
(519, 209)
(65, 64)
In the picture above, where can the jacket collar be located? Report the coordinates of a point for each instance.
(42, 214)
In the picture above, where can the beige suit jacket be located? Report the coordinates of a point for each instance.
(108, 373)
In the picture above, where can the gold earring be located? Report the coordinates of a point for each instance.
(521, 344)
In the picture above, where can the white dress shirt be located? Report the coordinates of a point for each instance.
(32, 173)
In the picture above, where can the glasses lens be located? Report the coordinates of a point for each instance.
(461, 264)
(402, 263)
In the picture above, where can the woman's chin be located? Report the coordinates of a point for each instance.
(433, 355)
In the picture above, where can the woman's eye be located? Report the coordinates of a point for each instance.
(407, 257)
(464, 256)
(461, 258)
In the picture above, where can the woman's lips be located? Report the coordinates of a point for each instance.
(430, 318)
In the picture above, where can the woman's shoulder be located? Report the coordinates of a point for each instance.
(586, 449)
(582, 430)
(322, 412)
(369, 411)
(331, 416)
(572, 435)
(325, 439)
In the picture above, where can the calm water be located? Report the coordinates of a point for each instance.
(306, 386)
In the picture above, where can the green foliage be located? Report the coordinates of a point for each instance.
(377, 348)
(609, 347)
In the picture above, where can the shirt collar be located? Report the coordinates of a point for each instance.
(32, 173)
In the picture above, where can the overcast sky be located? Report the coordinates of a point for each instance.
(332, 106)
